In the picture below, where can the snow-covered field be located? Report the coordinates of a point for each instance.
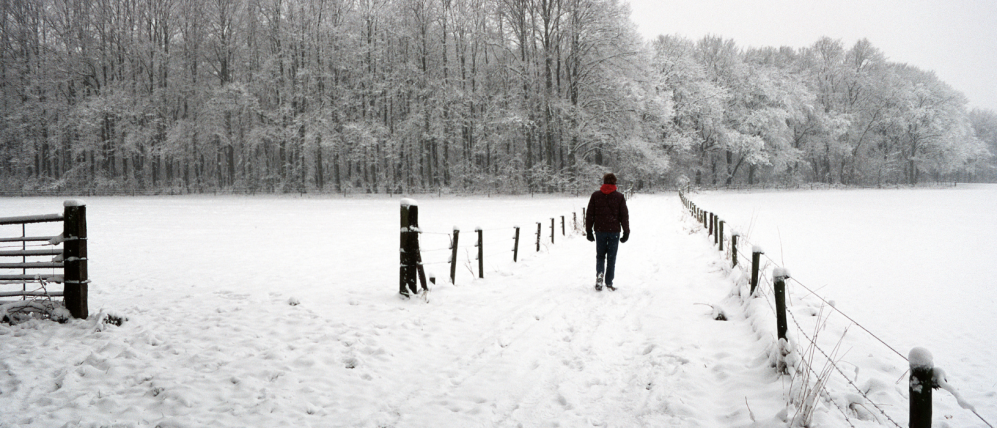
(913, 266)
(214, 337)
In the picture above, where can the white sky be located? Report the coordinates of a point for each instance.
(957, 39)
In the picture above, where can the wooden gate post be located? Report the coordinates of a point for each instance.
(756, 254)
(453, 256)
(74, 257)
(481, 253)
(779, 277)
(921, 382)
(515, 245)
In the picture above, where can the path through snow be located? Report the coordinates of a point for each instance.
(212, 340)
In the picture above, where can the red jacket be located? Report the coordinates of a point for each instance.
(607, 211)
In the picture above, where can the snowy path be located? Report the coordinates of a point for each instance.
(532, 344)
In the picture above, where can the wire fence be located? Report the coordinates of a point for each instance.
(765, 286)
(502, 244)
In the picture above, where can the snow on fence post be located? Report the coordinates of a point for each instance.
(921, 383)
(453, 256)
(481, 253)
(538, 236)
(756, 253)
(779, 276)
(515, 245)
(74, 256)
(409, 249)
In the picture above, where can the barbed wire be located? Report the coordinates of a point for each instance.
(764, 280)
(849, 318)
(838, 369)
(765, 284)
(825, 301)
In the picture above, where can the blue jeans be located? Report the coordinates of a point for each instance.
(606, 245)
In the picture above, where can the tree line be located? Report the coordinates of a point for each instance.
(392, 96)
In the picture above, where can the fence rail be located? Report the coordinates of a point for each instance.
(71, 259)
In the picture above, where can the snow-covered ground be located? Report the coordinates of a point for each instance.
(913, 266)
(283, 311)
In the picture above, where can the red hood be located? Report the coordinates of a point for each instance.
(608, 188)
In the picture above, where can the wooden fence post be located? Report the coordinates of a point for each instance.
(538, 236)
(552, 230)
(574, 220)
(710, 226)
(756, 254)
(453, 256)
(716, 230)
(733, 248)
(921, 383)
(720, 234)
(481, 253)
(515, 245)
(410, 267)
(779, 276)
(562, 226)
(74, 257)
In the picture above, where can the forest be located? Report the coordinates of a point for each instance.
(450, 96)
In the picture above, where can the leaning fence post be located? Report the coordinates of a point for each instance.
(733, 248)
(921, 383)
(779, 276)
(756, 253)
(515, 245)
(74, 257)
(538, 236)
(453, 256)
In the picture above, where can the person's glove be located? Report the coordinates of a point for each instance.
(626, 235)
(588, 235)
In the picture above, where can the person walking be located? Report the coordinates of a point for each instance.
(607, 215)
